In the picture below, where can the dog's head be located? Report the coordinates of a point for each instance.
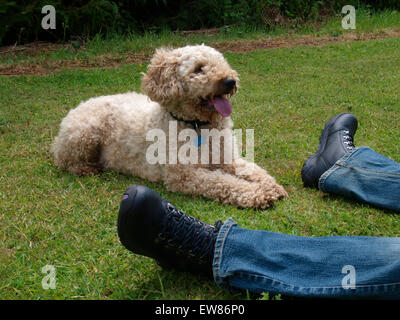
(193, 82)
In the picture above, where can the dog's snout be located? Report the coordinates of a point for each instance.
(228, 84)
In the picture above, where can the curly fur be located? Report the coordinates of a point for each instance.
(109, 132)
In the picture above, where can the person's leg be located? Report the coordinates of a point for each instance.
(331, 267)
(364, 175)
(259, 261)
(358, 173)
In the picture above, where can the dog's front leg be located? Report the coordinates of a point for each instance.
(252, 172)
(219, 185)
(231, 163)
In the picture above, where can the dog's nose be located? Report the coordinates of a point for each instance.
(228, 84)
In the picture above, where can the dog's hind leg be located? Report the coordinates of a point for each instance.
(78, 150)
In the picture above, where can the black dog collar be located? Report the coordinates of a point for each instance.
(194, 123)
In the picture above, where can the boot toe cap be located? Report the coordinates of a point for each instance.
(140, 218)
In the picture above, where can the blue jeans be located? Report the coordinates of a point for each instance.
(341, 267)
(335, 267)
(364, 175)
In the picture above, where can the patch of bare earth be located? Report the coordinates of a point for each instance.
(47, 67)
(113, 60)
(302, 40)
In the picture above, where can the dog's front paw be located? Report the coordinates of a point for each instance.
(275, 190)
(279, 191)
(257, 198)
(264, 197)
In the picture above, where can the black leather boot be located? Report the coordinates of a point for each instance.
(149, 225)
(335, 141)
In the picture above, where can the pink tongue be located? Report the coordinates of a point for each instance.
(223, 106)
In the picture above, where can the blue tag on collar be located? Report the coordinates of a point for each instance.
(200, 141)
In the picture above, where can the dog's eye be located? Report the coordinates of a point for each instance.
(198, 69)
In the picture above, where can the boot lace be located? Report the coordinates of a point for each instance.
(348, 140)
(189, 236)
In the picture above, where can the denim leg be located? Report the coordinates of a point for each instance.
(335, 267)
(365, 175)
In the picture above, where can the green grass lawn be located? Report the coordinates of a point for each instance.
(48, 216)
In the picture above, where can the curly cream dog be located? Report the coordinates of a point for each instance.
(189, 85)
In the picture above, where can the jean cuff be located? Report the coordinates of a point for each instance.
(340, 163)
(220, 277)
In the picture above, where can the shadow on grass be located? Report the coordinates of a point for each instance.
(170, 284)
(357, 204)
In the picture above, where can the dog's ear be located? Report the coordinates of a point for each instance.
(161, 81)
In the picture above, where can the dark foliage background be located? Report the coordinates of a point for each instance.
(20, 21)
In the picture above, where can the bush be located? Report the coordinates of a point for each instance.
(21, 22)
